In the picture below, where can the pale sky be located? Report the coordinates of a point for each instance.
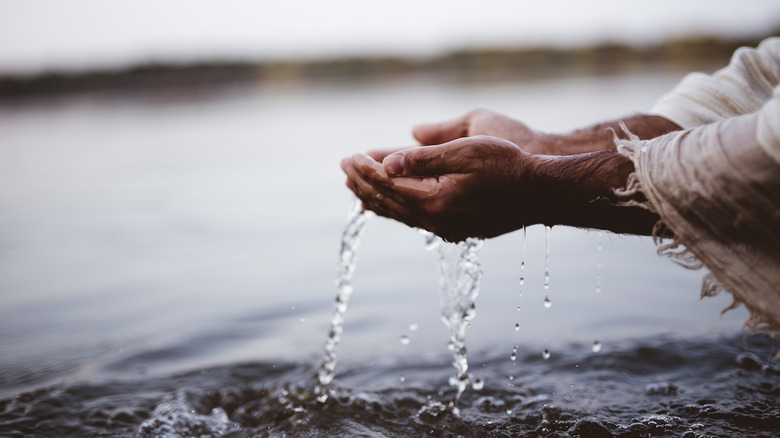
(39, 35)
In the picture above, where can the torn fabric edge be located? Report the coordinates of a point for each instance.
(673, 248)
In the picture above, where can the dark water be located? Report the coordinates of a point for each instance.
(167, 268)
(700, 387)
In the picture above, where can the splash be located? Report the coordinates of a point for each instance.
(350, 240)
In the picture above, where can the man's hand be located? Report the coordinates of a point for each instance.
(483, 122)
(486, 186)
(470, 187)
(594, 138)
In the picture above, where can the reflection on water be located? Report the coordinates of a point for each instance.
(162, 253)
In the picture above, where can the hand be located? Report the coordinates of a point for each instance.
(469, 187)
(477, 122)
(484, 122)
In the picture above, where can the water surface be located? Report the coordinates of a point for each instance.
(164, 254)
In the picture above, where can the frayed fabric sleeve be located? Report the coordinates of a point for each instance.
(718, 191)
(740, 88)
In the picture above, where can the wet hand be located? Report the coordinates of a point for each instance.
(484, 122)
(469, 187)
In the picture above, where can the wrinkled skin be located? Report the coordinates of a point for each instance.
(485, 174)
(456, 190)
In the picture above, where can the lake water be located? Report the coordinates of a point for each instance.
(167, 268)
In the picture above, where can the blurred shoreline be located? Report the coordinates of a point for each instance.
(527, 63)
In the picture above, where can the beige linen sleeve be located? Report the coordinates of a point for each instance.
(717, 188)
(740, 88)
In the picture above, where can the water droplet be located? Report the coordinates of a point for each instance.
(413, 327)
(477, 384)
(322, 397)
(509, 412)
(405, 340)
(432, 241)
(547, 303)
(546, 354)
(596, 346)
(511, 377)
(303, 319)
(518, 309)
(521, 281)
(513, 356)
(517, 326)
(403, 378)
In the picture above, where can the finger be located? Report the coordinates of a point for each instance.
(442, 132)
(378, 197)
(367, 178)
(380, 154)
(458, 156)
(407, 191)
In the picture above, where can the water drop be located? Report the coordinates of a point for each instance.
(547, 303)
(513, 356)
(511, 377)
(509, 412)
(477, 384)
(432, 241)
(596, 346)
(322, 397)
(405, 340)
(413, 327)
(403, 378)
(517, 326)
(518, 309)
(546, 354)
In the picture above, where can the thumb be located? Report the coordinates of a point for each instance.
(438, 133)
(425, 161)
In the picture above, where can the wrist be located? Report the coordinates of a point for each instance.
(579, 190)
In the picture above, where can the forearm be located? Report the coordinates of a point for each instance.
(601, 136)
(579, 190)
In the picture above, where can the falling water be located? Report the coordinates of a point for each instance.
(548, 230)
(459, 276)
(599, 248)
(350, 240)
(522, 260)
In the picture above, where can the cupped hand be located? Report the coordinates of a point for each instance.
(484, 122)
(476, 186)
(476, 122)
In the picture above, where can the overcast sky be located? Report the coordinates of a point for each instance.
(38, 35)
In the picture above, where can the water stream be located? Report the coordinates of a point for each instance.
(459, 276)
(350, 240)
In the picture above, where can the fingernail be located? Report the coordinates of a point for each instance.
(394, 164)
